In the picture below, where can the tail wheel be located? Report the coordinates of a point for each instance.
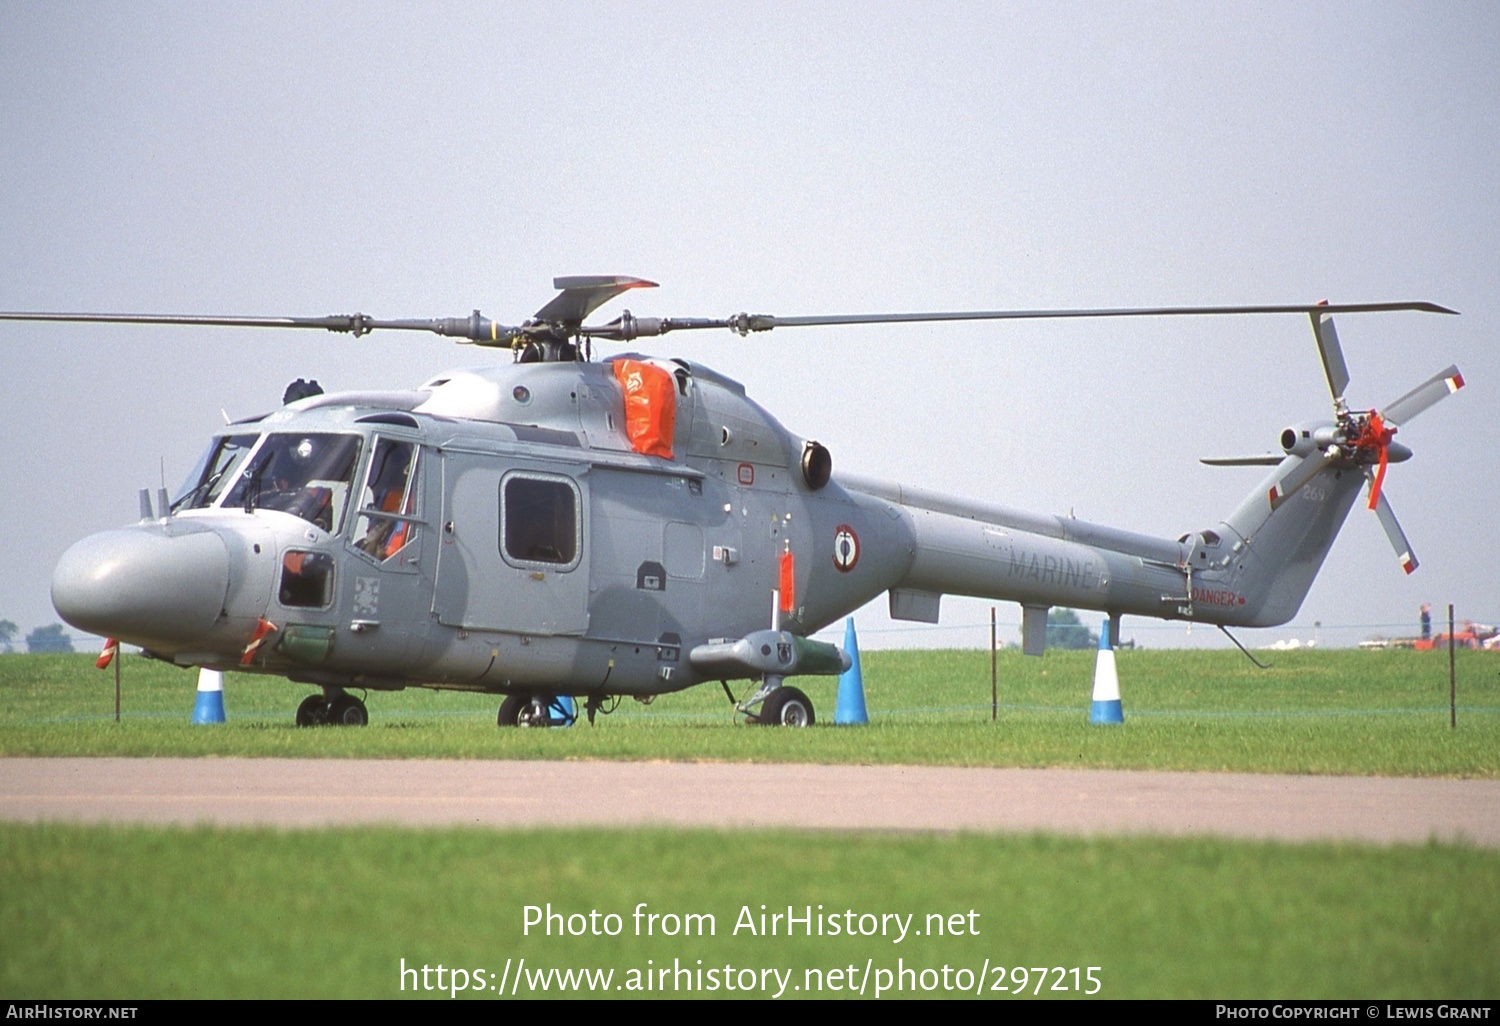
(786, 707)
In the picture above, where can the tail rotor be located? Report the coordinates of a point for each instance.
(1358, 438)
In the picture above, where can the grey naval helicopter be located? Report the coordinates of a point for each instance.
(561, 525)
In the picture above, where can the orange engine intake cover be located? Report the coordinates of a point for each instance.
(650, 406)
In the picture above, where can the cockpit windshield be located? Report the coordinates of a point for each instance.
(216, 469)
(306, 475)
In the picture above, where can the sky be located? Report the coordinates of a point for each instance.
(422, 160)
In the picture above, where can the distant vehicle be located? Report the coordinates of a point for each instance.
(1468, 638)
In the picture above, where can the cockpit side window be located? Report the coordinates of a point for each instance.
(306, 580)
(308, 476)
(387, 500)
(216, 469)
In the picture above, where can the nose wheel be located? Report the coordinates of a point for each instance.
(313, 712)
(343, 711)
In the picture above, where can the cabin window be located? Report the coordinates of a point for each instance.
(306, 580)
(539, 520)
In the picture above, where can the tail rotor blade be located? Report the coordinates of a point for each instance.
(1298, 476)
(1393, 531)
(1333, 355)
(1441, 385)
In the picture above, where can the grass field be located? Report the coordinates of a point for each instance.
(133, 913)
(144, 913)
(1342, 712)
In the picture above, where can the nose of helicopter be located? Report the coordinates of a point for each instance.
(143, 584)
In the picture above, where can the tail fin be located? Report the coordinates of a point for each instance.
(1276, 551)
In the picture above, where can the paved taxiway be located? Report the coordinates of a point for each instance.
(325, 792)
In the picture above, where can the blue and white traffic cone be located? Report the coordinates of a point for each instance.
(210, 705)
(1106, 707)
(562, 712)
(851, 703)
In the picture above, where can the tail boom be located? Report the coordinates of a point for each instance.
(1254, 571)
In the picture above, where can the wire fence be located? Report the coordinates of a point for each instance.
(1135, 632)
(393, 710)
(1165, 634)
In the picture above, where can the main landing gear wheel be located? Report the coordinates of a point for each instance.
(313, 712)
(347, 711)
(786, 707)
(523, 711)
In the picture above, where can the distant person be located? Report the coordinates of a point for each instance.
(1426, 621)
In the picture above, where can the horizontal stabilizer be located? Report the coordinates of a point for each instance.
(1267, 459)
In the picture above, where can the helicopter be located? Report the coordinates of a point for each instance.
(569, 527)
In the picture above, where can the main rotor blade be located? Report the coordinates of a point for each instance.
(1393, 531)
(581, 294)
(1441, 385)
(474, 327)
(746, 323)
(1332, 353)
(627, 326)
(1298, 476)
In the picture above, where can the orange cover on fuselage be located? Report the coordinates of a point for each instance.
(650, 406)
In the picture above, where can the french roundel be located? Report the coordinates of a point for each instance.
(845, 548)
